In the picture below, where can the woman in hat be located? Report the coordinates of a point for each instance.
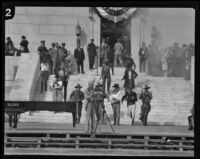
(78, 96)
(146, 97)
(57, 89)
(116, 102)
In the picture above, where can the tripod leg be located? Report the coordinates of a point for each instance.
(109, 122)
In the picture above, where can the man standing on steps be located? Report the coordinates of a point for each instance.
(44, 74)
(24, 44)
(57, 89)
(146, 97)
(79, 55)
(118, 52)
(90, 108)
(42, 50)
(131, 98)
(143, 53)
(106, 75)
(129, 77)
(91, 49)
(116, 102)
(78, 96)
(54, 58)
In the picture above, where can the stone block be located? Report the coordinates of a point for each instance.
(29, 19)
(61, 20)
(51, 29)
(83, 11)
(35, 10)
(23, 29)
(63, 11)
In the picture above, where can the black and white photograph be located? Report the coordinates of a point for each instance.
(99, 81)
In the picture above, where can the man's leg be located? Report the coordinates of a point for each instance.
(78, 67)
(118, 113)
(88, 116)
(104, 83)
(114, 113)
(79, 112)
(144, 65)
(82, 67)
(90, 61)
(190, 123)
(146, 111)
(108, 83)
(42, 80)
(115, 61)
(93, 118)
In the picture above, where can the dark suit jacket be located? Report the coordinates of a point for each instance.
(79, 55)
(126, 78)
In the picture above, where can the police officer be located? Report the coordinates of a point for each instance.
(79, 55)
(90, 108)
(91, 53)
(131, 98)
(64, 50)
(146, 97)
(116, 102)
(54, 58)
(78, 96)
(42, 50)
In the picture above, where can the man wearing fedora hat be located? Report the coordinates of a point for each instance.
(78, 96)
(54, 58)
(143, 53)
(91, 49)
(146, 97)
(106, 75)
(116, 102)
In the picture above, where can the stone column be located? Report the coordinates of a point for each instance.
(135, 40)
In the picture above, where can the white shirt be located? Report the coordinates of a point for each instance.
(129, 74)
(118, 48)
(44, 67)
(115, 97)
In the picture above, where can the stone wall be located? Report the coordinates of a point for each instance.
(53, 24)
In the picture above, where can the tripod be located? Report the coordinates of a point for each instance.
(104, 112)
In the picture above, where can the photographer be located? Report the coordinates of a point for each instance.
(99, 97)
(146, 97)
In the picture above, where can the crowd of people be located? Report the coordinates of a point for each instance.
(57, 61)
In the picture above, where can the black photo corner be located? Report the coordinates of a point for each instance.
(94, 78)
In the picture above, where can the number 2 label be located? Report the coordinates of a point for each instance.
(8, 12)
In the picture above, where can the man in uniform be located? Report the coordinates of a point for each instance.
(146, 97)
(131, 98)
(91, 53)
(106, 75)
(24, 44)
(90, 108)
(42, 50)
(143, 53)
(79, 55)
(78, 96)
(116, 102)
(54, 58)
(64, 50)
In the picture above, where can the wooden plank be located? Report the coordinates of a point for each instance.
(146, 142)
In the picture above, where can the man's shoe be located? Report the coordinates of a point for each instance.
(190, 128)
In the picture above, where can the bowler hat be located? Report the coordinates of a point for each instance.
(116, 85)
(146, 86)
(42, 41)
(63, 43)
(78, 86)
(8, 38)
(92, 39)
(23, 37)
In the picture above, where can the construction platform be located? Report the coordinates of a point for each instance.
(63, 139)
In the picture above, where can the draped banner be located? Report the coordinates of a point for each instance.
(115, 14)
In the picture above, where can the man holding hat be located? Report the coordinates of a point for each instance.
(78, 96)
(90, 108)
(143, 53)
(146, 97)
(91, 49)
(42, 50)
(116, 102)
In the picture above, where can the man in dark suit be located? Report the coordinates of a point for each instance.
(42, 50)
(129, 77)
(79, 55)
(91, 53)
(143, 53)
(24, 44)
